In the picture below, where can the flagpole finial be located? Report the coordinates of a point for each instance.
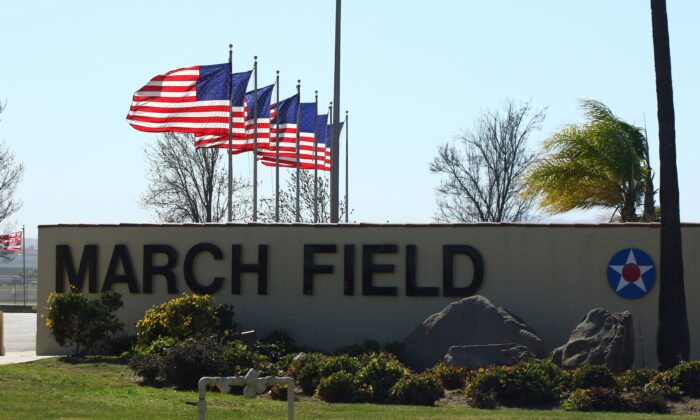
(230, 46)
(278, 72)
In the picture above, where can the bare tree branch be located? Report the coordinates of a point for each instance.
(189, 185)
(11, 173)
(483, 181)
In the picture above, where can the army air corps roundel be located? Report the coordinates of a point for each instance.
(631, 273)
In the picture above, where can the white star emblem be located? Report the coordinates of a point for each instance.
(631, 273)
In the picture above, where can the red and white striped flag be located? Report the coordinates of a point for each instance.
(11, 242)
(187, 100)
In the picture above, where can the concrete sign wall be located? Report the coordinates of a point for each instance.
(329, 286)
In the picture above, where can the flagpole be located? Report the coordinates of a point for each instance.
(298, 213)
(316, 163)
(335, 178)
(255, 139)
(230, 137)
(24, 267)
(347, 169)
(330, 113)
(277, 149)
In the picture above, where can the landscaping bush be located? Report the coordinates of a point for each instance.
(595, 399)
(306, 371)
(417, 390)
(338, 387)
(587, 377)
(185, 317)
(451, 377)
(525, 384)
(635, 379)
(189, 360)
(278, 392)
(666, 384)
(73, 319)
(146, 366)
(380, 373)
(686, 376)
(649, 399)
(333, 364)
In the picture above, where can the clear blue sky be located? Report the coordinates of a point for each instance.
(413, 74)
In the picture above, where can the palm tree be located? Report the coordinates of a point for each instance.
(601, 163)
(672, 338)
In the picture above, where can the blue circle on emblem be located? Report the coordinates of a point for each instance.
(631, 273)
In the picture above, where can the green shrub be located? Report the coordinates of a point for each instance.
(577, 400)
(306, 371)
(451, 377)
(650, 399)
(278, 392)
(333, 364)
(595, 399)
(276, 346)
(666, 384)
(189, 360)
(635, 379)
(185, 317)
(525, 384)
(73, 319)
(415, 389)
(380, 373)
(157, 346)
(587, 377)
(686, 376)
(146, 366)
(338, 387)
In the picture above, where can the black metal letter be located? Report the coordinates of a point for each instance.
(369, 268)
(310, 268)
(349, 271)
(448, 254)
(188, 268)
(64, 265)
(238, 268)
(412, 289)
(150, 270)
(120, 254)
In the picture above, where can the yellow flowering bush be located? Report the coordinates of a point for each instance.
(185, 317)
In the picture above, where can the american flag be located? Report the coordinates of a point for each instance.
(187, 100)
(11, 242)
(288, 147)
(239, 83)
(283, 114)
(264, 96)
(329, 143)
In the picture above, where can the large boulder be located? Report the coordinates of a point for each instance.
(470, 321)
(601, 338)
(474, 357)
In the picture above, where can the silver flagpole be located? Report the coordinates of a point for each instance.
(255, 139)
(277, 150)
(298, 212)
(335, 174)
(316, 163)
(230, 137)
(347, 168)
(24, 265)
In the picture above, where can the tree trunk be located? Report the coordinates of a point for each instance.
(672, 338)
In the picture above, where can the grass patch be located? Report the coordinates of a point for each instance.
(103, 387)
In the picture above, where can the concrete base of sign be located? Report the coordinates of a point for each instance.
(252, 386)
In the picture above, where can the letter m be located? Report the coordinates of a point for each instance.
(88, 265)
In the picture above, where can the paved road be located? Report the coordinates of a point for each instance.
(20, 332)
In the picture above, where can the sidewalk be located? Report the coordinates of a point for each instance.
(20, 339)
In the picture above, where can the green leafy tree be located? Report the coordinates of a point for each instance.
(601, 163)
(673, 336)
(73, 319)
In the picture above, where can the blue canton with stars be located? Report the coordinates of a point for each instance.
(631, 273)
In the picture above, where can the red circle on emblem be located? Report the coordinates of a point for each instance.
(631, 272)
